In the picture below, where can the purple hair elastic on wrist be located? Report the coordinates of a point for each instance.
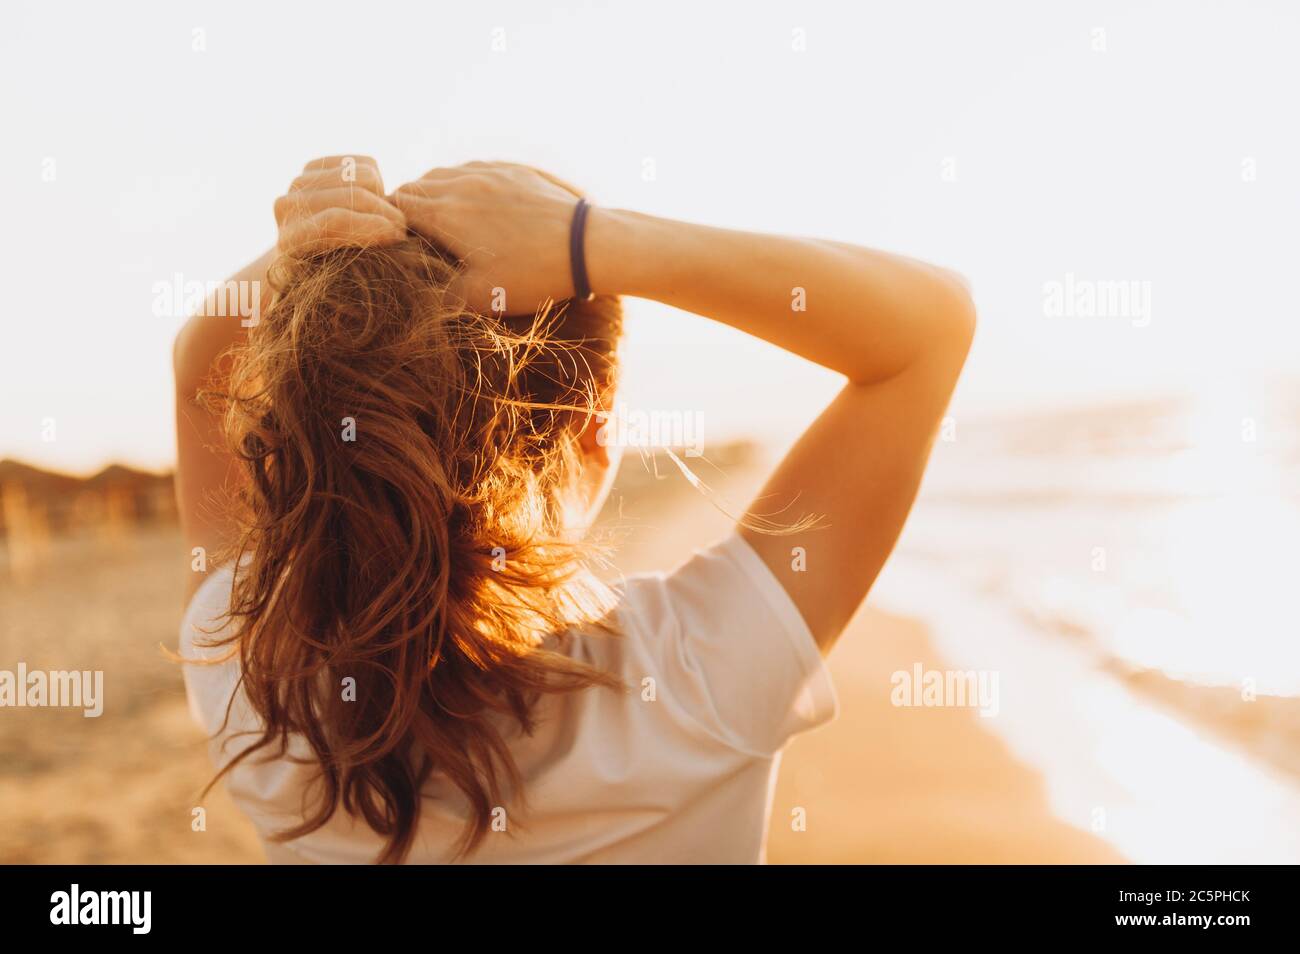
(577, 257)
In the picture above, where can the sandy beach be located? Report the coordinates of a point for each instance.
(880, 784)
(884, 784)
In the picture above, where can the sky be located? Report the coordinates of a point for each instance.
(1131, 155)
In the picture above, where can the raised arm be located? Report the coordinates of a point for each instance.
(898, 330)
(337, 201)
(206, 474)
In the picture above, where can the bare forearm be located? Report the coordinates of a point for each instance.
(204, 468)
(865, 314)
(206, 336)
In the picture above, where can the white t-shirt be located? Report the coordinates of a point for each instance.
(681, 770)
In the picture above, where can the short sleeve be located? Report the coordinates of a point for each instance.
(740, 657)
(211, 674)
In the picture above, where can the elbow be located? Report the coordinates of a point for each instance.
(180, 350)
(188, 368)
(177, 346)
(959, 312)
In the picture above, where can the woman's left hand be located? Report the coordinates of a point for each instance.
(338, 201)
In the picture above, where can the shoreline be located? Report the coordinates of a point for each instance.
(881, 784)
(884, 784)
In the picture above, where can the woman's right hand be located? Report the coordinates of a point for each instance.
(508, 224)
(337, 202)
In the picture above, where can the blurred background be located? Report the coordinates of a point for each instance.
(1112, 518)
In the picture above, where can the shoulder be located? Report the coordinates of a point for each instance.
(207, 610)
(210, 670)
(722, 640)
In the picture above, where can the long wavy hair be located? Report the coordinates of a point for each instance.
(404, 558)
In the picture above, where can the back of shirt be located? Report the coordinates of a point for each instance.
(721, 671)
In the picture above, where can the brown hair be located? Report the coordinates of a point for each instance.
(426, 558)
